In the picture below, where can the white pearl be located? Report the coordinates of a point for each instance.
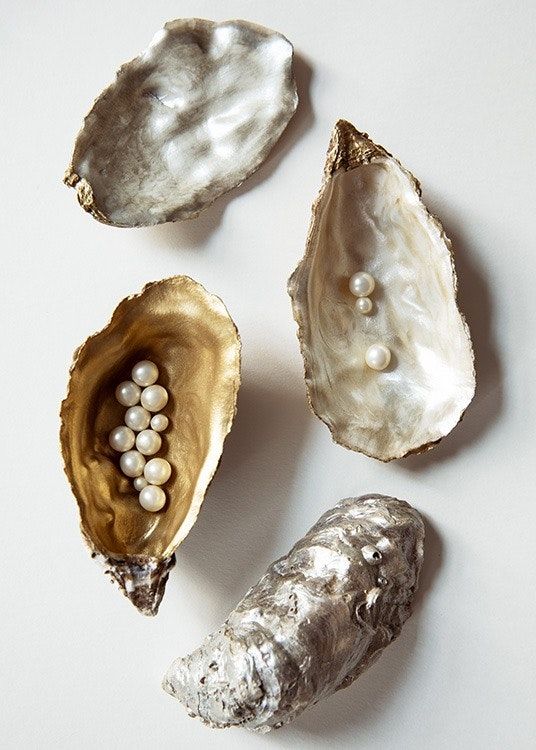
(157, 471)
(152, 498)
(137, 418)
(148, 442)
(361, 284)
(377, 357)
(145, 373)
(128, 393)
(154, 398)
(363, 305)
(121, 438)
(139, 483)
(159, 422)
(132, 463)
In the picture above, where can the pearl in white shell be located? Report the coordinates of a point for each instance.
(139, 483)
(137, 418)
(377, 357)
(128, 393)
(361, 284)
(157, 471)
(145, 373)
(152, 498)
(148, 442)
(154, 398)
(121, 438)
(159, 422)
(363, 305)
(132, 464)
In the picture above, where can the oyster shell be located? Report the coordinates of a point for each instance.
(189, 333)
(369, 217)
(187, 120)
(315, 621)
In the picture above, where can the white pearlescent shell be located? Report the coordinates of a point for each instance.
(137, 418)
(121, 438)
(152, 498)
(154, 398)
(145, 373)
(187, 120)
(132, 464)
(148, 442)
(128, 393)
(159, 422)
(157, 471)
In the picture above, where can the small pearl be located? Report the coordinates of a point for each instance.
(148, 442)
(121, 438)
(139, 483)
(159, 422)
(363, 305)
(152, 498)
(154, 398)
(137, 418)
(157, 471)
(128, 393)
(377, 357)
(361, 284)
(132, 463)
(145, 373)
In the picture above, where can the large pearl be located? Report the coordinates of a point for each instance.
(154, 398)
(139, 483)
(152, 498)
(137, 418)
(145, 373)
(157, 471)
(121, 438)
(148, 442)
(159, 422)
(361, 284)
(132, 464)
(128, 393)
(363, 305)
(377, 357)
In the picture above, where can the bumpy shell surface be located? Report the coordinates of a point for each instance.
(313, 623)
(188, 332)
(187, 120)
(369, 217)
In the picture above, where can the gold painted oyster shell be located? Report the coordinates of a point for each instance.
(369, 217)
(184, 122)
(188, 332)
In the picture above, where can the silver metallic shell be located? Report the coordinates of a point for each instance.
(313, 623)
(187, 120)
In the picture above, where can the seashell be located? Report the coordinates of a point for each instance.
(317, 619)
(394, 377)
(188, 332)
(184, 122)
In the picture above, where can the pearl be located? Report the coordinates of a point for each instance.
(132, 463)
(154, 398)
(145, 373)
(139, 483)
(157, 471)
(137, 418)
(377, 357)
(362, 284)
(152, 498)
(363, 305)
(159, 422)
(121, 438)
(128, 393)
(148, 442)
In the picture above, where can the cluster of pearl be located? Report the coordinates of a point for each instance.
(144, 398)
(361, 284)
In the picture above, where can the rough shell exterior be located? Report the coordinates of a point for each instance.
(316, 620)
(369, 217)
(185, 121)
(189, 334)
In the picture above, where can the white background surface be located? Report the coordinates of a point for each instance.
(448, 87)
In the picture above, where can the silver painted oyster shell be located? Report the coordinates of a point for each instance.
(187, 120)
(369, 217)
(314, 622)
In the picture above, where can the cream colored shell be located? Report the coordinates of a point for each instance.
(369, 217)
(185, 121)
(177, 324)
